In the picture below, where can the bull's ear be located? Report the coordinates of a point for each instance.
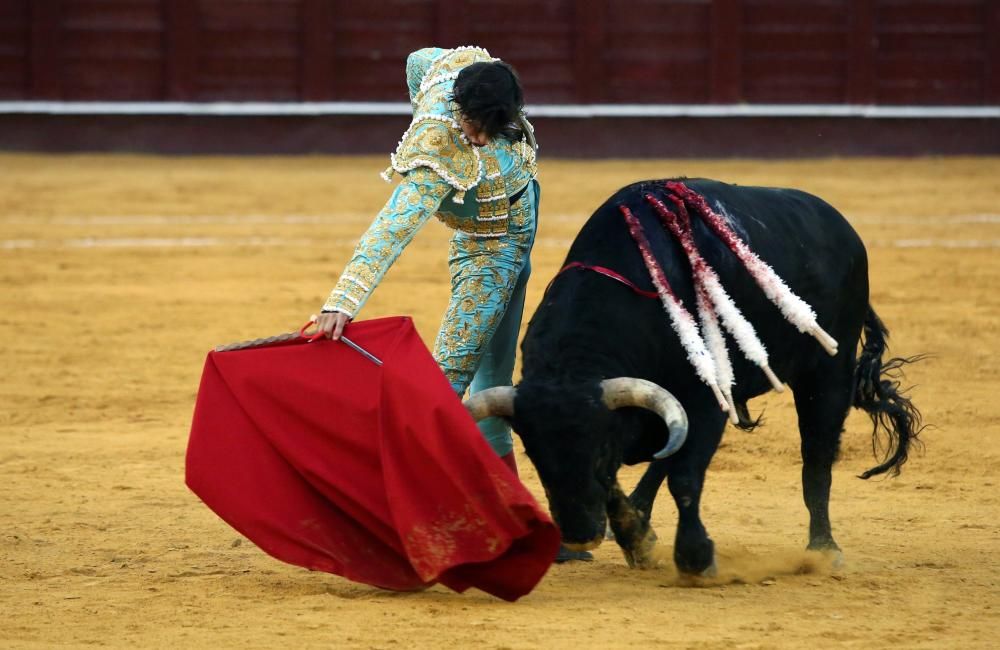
(638, 436)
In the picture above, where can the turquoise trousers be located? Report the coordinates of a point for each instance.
(477, 343)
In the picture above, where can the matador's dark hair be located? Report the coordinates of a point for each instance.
(489, 95)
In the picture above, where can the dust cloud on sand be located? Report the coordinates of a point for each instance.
(741, 566)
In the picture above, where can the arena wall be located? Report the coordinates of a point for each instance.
(932, 57)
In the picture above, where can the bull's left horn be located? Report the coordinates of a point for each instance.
(492, 402)
(632, 391)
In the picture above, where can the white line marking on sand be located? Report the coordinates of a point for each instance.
(235, 242)
(324, 219)
(172, 242)
(208, 219)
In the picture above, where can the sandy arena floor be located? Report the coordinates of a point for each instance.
(118, 273)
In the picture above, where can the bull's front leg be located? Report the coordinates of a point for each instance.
(632, 530)
(694, 551)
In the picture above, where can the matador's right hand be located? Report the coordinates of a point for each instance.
(332, 324)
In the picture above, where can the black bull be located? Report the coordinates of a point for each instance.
(589, 328)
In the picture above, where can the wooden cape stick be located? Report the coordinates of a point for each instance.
(290, 336)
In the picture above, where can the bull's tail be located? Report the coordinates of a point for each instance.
(896, 421)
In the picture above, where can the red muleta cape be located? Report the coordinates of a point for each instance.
(327, 461)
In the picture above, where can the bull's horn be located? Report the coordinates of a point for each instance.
(492, 402)
(632, 391)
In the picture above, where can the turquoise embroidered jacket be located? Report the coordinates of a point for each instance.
(466, 187)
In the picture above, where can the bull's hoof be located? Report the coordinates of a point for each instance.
(830, 551)
(695, 578)
(834, 557)
(641, 555)
(696, 560)
(635, 561)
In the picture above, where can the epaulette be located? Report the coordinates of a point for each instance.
(437, 142)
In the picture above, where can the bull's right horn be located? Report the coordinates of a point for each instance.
(492, 402)
(632, 391)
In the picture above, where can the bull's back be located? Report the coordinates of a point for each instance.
(807, 242)
(798, 234)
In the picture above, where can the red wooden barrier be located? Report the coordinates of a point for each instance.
(929, 52)
(14, 31)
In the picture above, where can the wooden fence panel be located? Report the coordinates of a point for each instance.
(589, 43)
(536, 37)
(371, 41)
(659, 52)
(795, 51)
(249, 50)
(317, 64)
(110, 49)
(931, 51)
(991, 83)
(727, 51)
(861, 49)
(44, 61)
(181, 48)
(14, 56)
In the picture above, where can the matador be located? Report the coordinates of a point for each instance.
(486, 192)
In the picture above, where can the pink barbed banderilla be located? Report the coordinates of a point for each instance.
(713, 298)
(710, 356)
(794, 309)
(681, 320)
